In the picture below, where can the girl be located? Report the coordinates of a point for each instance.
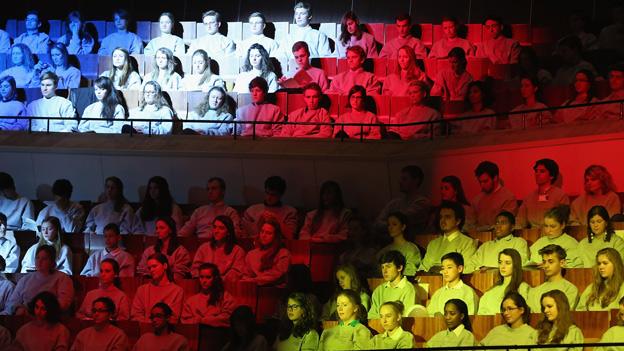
(509, 281)
(298, 332)
(50, 235)
(153, 106)
(46, 278)
(216, 109)
(347, 277)
(115, 209)
(408, 70)
(167, 244)
(201, 78)
(110, 288)
(22, 67)
(312, 113)
(417, 111)
(351, 34)
(122, 73)
(77, 40)
(451, 189)
(607, 288)
(478, 102)
(10, 106)
(102, 336)
(268, 263)
(257, 64)
(599, 190)
(442, 48)
(397, 224)
(459, 329)
(556, 326)
(328, 223)
(357, 114)
(45, 332)
(350, 333)
(600, 234)
(516, 329)
(393, 337)
(107, 107)
(157, 202)
(166, 39)
(451, 84)
(555, 221)
(163, 71)
(212, 305)
(583, 94)
(615, 333)
(69, 76)
(162, 337)
(222, 250)
(159, 289)
(244, 334)
(529, 89)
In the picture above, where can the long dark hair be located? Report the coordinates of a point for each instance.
(604, 214)
(230, 239)
(121, 200)
(266, 65)
(216, 290)
(516, 275)
(52, 306)
(268, 259)
(307, 322)
(162, 259)
(116, 269)
(173, 236)
(463, 309)
(82, 33)
(591, 78)
(110, 100)
(334, 208)
(161, 207)
(455, 182)
(345, 36)
(561, 325)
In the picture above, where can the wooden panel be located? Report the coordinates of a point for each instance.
(533, 277)
(423, 240)
(407, 323)
(521, 33)
(329, 65)
(478, 67)
(592, 323)
(243, 292)
(88, 65)
(481, 325)
(434, 282)
(482, 282)
(144, 31)
(580, 277)
(323, 260)
(578, 232)
(382, 104)
(529, 234)
(475, 33)
(424, 328)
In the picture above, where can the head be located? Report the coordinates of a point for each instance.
(546, 171)
(403, 24)
(163, 60)
(109, 272)
(406, 59)
(74, 23)
(257, 58)
(258, 88)
(112, 236)
(478, 95)
(114, 188)
(411, 178)
(8, 89)
(270, 234)
(449, 27)
(529, 87)
(301, 52)
(350, 24)
(418, 92)
(510, 266)
(609, 265)
(49, 83)
(274, 189)
(348, 305)
(120, 59)
(200, 61)
(212, 21)
(45, 308)
(166, 22)
(347, 278)
(216, 98)
(504, 224)
(487, 174)
(303, 14)
(397, 224)
(451, 189)
(312, 95)
(357, 98)
(452, 267)
(121, 18)
(209, 277)
(157, 189)
(455, 314)
(51, 229)
(6, 182)
(330, 195)
(243, 322)
(598, 180)
(451, 216)
(553, 260)
(555, 221)
(152, 94)
(299, 309)
(215, 189)
(59, 55)
(158, 266)
(599, 222)
(569, 49)
(22, 56)
(32, 21)
(355, 57)
(616, 77)
(62, 189)
(223, 230)
(514, 309)
(390, 315)
(104, 89)
(493, 26)
(392, 264)
(165, 228)
(160, 314)
(45, 258)
(257, 23)
(555, 306)
(103, 310)
(584, 82)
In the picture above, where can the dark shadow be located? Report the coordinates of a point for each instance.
(507, 32)
(370, 105)
(369, 65)
(45, 27)
(81, 98)
(90, 28)
(462, 31)
(44, 192)
(178, 66)
(176, 128)
(178, 29)
(214, 67)
(416, 31)
(315, 62)
(123, 102)
(269, 30)
(332, 44)
(277, 66)
(233, 104)
(73, 61)
(133, 63)
(224, 28)
(325, 102)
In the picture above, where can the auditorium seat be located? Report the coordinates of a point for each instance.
(96, 29)
(82, 285)
(334, 105)
(179, 102)
(578, 232)
(556, 95)
(25, 239)
(211, 338)
(423, 240)
(481, 325)
(144, 31)
(533, 277)
(134, 244)
(424, 328)
(614, 317)
(482, 237)
(243, 292)
(438, 33)
(407, 323)
(592, 323)
(189, 331)
(478, 67)
(189, 32)
(129, 286)
(295, 102)
(88, 66)
(190, 287)
(323, 260)
(3, 61)
(382, 107)
(521, 33)
(580, 277)
(329, 65)
(475, 33)
(234, 31)
(328, 28)
(132, 98)
(132, 330)
(483, 281)
(433, 282)
(529, 234)
(377, 31)
(11, 28)
(427, 34)
(299, 251)
(270, 299)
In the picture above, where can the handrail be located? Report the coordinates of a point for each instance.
(527, 347)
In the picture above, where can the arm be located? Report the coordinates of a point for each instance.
(304, 234)
(137, 312)
(163, 127)
(181, 261)
(222, 318)
(65, 292)
(279, 269)
(289, 224)
(126, 219)
(324, 49)
(123, 310)
(136, 46)
(188, 317)
(12, 259)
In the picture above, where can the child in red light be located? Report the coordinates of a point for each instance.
(357, 114)
(311, 113)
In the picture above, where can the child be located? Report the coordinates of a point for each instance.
(608, 283)
(357, 114)
(162, 337)
(396, 286)
(312, 113)
(615, 333)
(343, 82)
(45, 331)
(257, 64)
(298, 330)
(115, 209)
(347, 277)
(122, 73)
(600, 235)
(201, 78)
(259, 111)
(452, 83)
(102, 336)
(9, 250)
(405, 38)
(178, 257)
(442, 48)
(351, 34)
(50, 235)
(555, 221)
(350, 333)
(152, 105)
(556, 325)
(163, 71)
(222, 250)
(393, 337)
(509, 280)
(451, 217)
(417, 111)
(516, 329)
(397, 224)
(167, 40)
(51, 105)
(271, 208)
(107, 107)
(458, 330)
(112, 250)
(268, 263)
(122, 38)
(553, 262)
(110, 288)
(330, 221)
(212, 305)
(216, 109)
(488, 254)
(454, 287)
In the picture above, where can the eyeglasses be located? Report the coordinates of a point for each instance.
(293, 307)
(157, 315)
(509, 309)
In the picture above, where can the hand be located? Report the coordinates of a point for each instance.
(74, 27)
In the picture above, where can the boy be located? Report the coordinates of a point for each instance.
(451, 84)
(441, 48)
(454, 287)
(9, 250)
(311, 113)
(493, 198)
(616, 84)
(272, 208)
(16, 208)
(304, 74)
(302, 31)
(553, 262)
(36, 41)
(71, 214)
(257, 23)
(396, 286)
(486, 256)
(122, 38)
(216, 44)
(112, 238)
(51, 105)
(405, 38)
(417, 111)
(6, 286)
(498, 48)
(356, 75)
(259, 111)
(451, 219)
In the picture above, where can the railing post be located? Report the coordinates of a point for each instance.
(253, 134)
(524, 121)
(540, 122)
(361, 133)
(235, 130)
(621, 110)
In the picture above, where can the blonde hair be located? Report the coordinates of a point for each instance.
(605, 290)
